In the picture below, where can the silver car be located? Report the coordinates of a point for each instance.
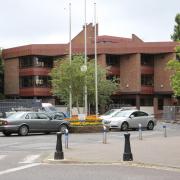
(26, 122)
(126, 119)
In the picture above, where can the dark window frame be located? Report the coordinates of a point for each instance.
(36, 61)
(112, 60)
(147, 60)
(147, 80)
(35, 81)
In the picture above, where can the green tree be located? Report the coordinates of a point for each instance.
(65, 74)
(174, 65)
(176, 35)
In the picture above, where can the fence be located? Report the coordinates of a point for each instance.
(19, 105)
(171, 113)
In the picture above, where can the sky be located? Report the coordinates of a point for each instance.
(24, 22)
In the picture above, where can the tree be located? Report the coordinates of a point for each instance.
(174, 65)
(65, 74)
(176, 35)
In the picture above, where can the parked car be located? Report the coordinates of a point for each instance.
(27, 122)
(126, 119)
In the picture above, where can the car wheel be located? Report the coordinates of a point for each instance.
(124, 126)
(62, 128)
(23, 130)
(150, 125)
(6, 133)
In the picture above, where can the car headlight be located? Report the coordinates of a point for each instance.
(106, 122)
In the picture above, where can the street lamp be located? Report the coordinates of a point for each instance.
(95, 53)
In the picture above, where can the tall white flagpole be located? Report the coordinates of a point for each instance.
(70, 59)
(85, 59)
(95, 54)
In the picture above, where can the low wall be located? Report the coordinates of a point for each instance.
(86, 129)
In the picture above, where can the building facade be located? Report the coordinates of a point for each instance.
(140, 66)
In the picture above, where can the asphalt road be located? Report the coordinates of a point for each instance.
(89, 172)
(22, 158)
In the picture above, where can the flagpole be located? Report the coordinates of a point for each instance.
(85, 58)
(95, 54)
(70, 59)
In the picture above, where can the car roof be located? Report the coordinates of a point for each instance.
(130, 110)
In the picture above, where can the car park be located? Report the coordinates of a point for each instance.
(127, 119)
(28, 122)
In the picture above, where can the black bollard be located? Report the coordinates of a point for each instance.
(127, 156)
(59, 152)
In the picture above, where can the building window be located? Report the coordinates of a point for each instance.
(26, 81)
(35, 61)
(25, 61)
(147, 60)
(148, 101)
(113, 77)
(42, 81)
(160, 103)
(147, 80)
(35, 81)
(112, 60)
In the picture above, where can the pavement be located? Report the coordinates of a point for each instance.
(150, 152)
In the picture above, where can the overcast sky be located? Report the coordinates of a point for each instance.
(46, 21)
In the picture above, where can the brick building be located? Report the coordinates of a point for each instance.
(140, 65)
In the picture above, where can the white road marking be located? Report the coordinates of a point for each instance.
(30, 159)
(19, 168)
(2, 156)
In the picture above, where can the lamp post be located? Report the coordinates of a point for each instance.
(85, 60)
(95, 54)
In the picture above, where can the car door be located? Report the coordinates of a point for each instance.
(139, 117)
(143, 118)
(136, 119)
(44, 122)
(32, 120)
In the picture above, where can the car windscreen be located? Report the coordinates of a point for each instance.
(109, 112)
(16, 115)
(122, 114)
(49, 108)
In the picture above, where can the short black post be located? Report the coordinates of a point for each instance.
(59, 152)
(127, 156)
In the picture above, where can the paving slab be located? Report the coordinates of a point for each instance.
(151, 152)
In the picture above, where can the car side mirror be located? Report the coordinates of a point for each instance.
(132, 116)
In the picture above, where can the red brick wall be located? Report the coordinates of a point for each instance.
(161, 73)
(130, 73)
(11, 77)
